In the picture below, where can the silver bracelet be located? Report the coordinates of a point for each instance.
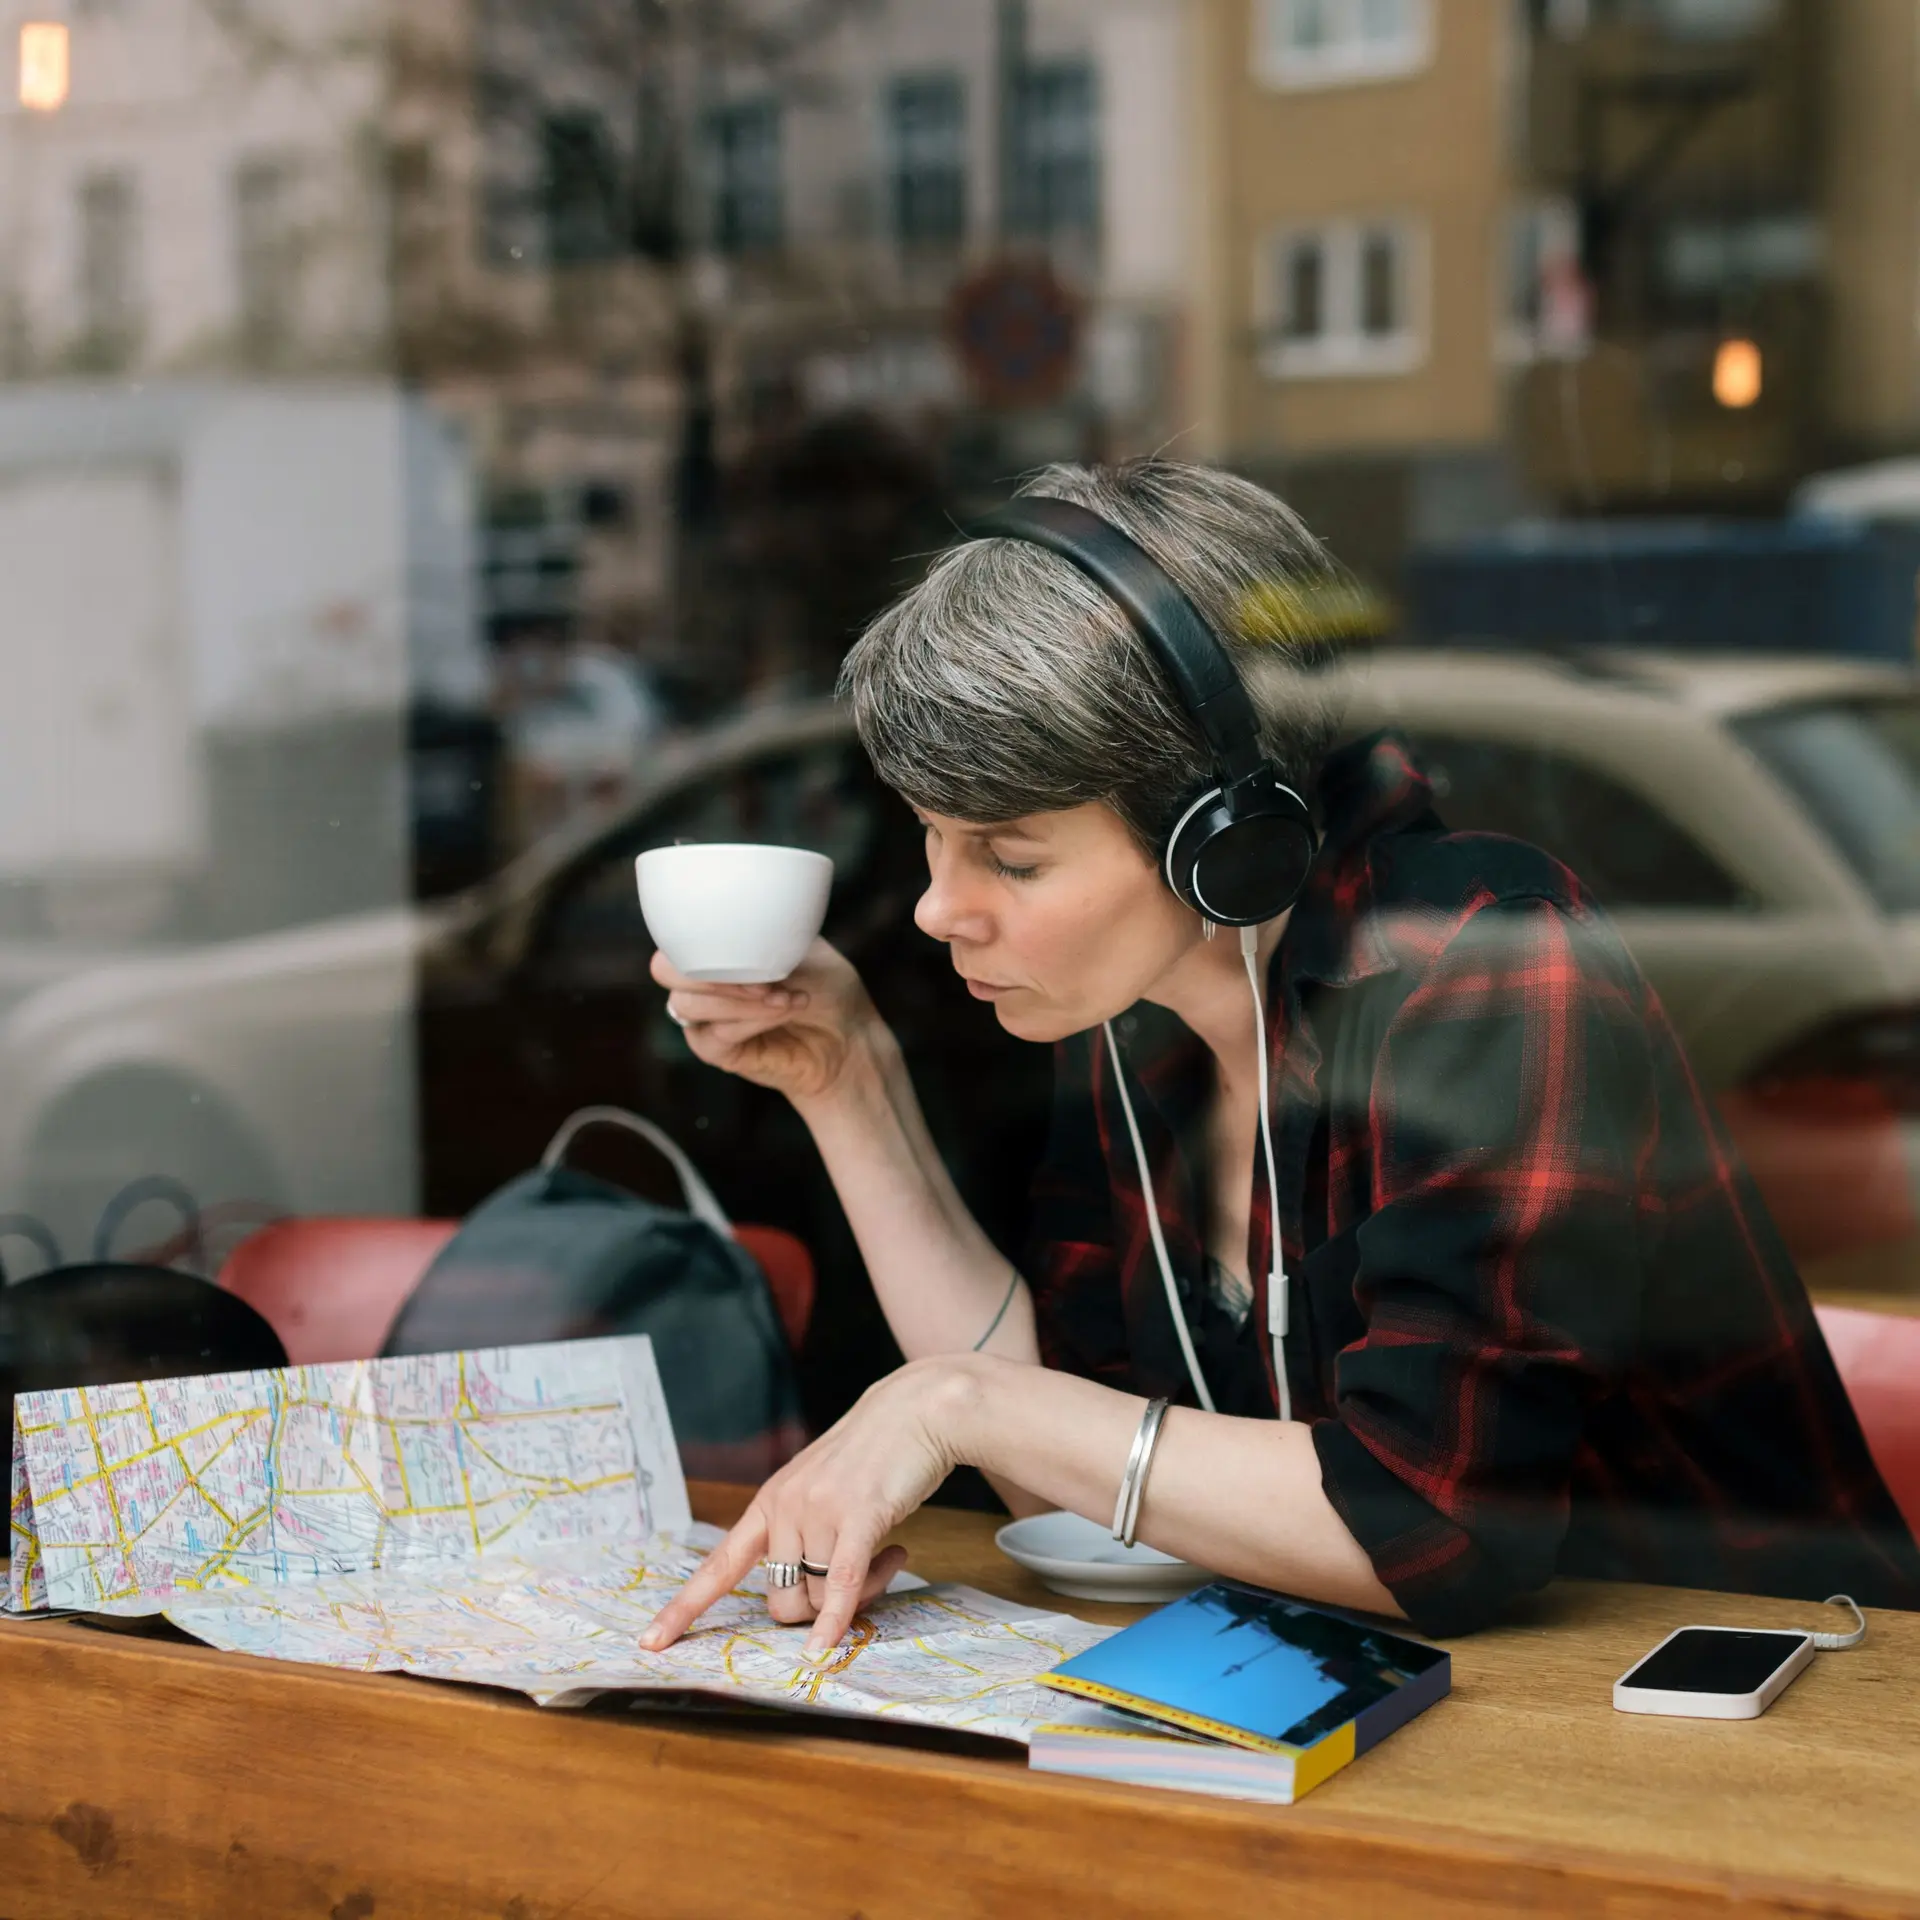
(1133, 1483)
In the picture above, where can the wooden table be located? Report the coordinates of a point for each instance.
(139, 1777)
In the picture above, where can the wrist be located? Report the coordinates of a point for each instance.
(859, 1084)
(966, 1404)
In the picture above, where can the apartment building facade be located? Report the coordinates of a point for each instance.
(1355, 172)
(1471, 258)
(620, 244)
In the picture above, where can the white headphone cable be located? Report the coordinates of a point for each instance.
(1153, 1227)
(1277, 1314)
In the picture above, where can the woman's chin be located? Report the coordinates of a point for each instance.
(1025, 1020)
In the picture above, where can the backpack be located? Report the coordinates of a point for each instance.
(104, 1322)
(559, 1254)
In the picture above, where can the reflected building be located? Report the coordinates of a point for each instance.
(746, 238)
(1488, 257)
(362, 366)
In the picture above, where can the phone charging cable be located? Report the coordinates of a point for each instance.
(1840, 1642)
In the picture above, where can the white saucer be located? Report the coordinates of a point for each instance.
(1075, 1556)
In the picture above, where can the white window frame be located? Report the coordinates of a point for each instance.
(1341, 351)
(1348, 59)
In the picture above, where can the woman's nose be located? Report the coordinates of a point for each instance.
(944, 910)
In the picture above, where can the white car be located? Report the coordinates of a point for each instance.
(1753, 825)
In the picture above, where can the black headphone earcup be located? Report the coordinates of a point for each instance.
(1240, 857)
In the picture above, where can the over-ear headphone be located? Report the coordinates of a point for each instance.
(1240, 851)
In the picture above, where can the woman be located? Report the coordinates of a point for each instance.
(1525, 1316)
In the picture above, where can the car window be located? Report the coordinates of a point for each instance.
(1855, 767)
(1628, 852)
(824, 798)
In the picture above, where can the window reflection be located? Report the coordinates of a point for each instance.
(445, 453)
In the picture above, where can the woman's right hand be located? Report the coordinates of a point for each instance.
(794, 1036)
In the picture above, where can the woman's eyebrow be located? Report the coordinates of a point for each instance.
(993, 830)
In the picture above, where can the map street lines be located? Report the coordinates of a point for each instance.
(125, 1497)
(510, 1518)
(569, 1628)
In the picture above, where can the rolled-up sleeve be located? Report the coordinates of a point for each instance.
(1499, 1270)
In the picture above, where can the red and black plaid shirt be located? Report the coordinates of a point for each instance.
(1541, 1322)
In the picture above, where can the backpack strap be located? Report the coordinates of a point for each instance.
(699, 1196)
(23, 1226)
(136, 1194)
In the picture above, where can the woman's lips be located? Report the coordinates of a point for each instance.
(984, 989)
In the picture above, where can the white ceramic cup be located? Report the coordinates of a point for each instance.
(739, 914)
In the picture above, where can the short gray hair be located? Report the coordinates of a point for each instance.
(1006, 683)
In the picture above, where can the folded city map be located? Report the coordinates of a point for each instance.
(511, 1518)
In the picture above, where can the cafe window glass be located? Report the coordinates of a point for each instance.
(445, 449)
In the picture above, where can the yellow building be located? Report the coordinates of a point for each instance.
(1457, 258)
(1354, 186)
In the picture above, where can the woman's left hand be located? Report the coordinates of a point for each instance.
(836, 1502)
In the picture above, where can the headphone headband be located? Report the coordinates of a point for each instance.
(1192, 658)
(1240, 853)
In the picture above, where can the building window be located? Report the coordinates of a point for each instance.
(1057, 184)
(655, 214)
(749, 213)
(1303, 287)
(1705, 259)
(1713, 19)
(108, 290)
(927, 133)
(265, 255)
(1383, 293)
(580, 189)
(1330, 43)
(1346, 298)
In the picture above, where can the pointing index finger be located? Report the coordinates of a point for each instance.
(722, 1570)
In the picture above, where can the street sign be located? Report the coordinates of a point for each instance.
(1016, 330)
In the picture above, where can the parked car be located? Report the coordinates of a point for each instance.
(1754, 826)
(422, 1057)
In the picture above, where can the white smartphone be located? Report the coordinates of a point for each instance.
(1714, 1673)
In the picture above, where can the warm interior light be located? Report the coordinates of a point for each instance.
(43, 65)
(1739, 373)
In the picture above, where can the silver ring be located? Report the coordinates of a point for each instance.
(817, 1571)
(783, 1573)
(678, 1020)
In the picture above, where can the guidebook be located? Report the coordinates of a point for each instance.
(1237, 1692)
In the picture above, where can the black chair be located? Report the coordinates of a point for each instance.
(98, 1324)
